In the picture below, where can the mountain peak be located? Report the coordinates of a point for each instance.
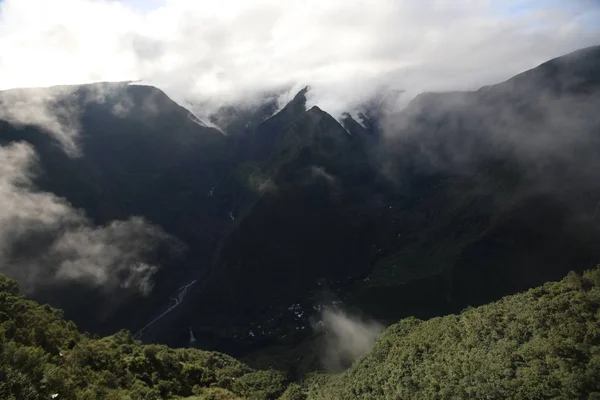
(298, 103)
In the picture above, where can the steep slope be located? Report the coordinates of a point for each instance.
(130, 150)
(464, 197)
(135, 144)
(303, 228)
(496, 180)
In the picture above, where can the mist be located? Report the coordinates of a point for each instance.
(57, 110)
(232, 52)
(44, 240)
(540, 118)
(346, 338)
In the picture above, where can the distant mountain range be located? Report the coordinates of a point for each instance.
(456, 200)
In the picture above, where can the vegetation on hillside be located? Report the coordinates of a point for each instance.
(543, 343)
(540, 344)
(41, 355)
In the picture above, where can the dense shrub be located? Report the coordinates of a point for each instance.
(544, 343)
(41, 354)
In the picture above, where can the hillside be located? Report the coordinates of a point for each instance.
(132, 152)
(544, 343)
(493, 182)
(41, 354)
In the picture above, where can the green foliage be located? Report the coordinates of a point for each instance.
(544, 343)
(42, 354)
(260, 385)
(294, 392)
(213, 394)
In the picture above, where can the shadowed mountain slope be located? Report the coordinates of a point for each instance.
(457, 200)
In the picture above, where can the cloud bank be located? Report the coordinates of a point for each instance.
(230, 50)
(43, 239)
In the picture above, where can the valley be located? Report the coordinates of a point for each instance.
(456, 200)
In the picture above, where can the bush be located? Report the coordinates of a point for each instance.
(260, 385)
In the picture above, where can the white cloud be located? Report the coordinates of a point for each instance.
(41, 108)
(57, 110)
(44, 239)
(347, 338)
(216, 50)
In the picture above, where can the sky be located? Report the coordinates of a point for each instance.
(214, 52)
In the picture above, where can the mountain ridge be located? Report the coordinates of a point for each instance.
(396, 218)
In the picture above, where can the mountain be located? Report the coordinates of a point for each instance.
(138, 153)
(505, 174)
(454, 201)
(462, 198)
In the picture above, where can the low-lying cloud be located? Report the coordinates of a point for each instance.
(214, 52)
(346, 338)
(43, 239)
(43, 109)
(526, 117)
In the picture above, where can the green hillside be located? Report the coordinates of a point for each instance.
(540, 344)
(41, 354)
(543, 343)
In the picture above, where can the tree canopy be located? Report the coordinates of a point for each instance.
(543, 343)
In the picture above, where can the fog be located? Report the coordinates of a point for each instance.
(346, 338)
(540, 118)
(44, 240)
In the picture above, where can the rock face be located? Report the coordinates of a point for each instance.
(456, 200)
